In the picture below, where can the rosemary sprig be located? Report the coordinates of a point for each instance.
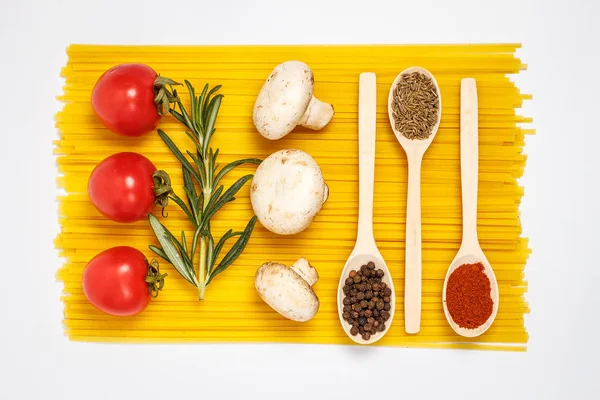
(200, 171)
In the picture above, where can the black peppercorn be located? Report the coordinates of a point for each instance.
(366, 301)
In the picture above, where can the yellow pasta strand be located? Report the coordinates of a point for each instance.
(233, 312)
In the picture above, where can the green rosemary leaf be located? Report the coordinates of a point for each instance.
(227, 197)
(189, 185)
(226, 169)
(184, 242)
(194, 204)
(200, 106)
(194, 140)
(212, 91)
(159, 252)
(195, 241)
(178, 116)
(192, 99)
(228, 235)
(200, 166)
(186, 164)
(210, 261)
(214, 198)
(182, 205)
(211, 114)
(169, 249)
(185, 115)
(235, 250)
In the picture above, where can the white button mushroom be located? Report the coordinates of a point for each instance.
(286, 100)
(289, 290)
(287, 192)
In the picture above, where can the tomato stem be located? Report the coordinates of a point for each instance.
(162, 188)
(154, 279)
(164, 94)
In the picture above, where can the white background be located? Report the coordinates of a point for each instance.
(560, 209)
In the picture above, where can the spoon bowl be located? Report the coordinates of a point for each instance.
(406, 143)
(365, 249)
(356, 260)
(470, 251)
(415, 150)
(470, 257)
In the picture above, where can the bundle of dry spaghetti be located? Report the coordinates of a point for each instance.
(233, 312)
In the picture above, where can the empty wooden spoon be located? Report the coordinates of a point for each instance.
(470, 251)
(414, 149)
(365, 249)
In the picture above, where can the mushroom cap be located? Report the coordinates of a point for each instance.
(286, 292)
(283, 99)
(288, 191)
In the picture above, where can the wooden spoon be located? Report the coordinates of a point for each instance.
(414, 149)
(365, 249)
(470, 250)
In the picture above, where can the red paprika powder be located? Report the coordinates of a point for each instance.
(468, 296)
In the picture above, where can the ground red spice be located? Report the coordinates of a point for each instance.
(468, 296)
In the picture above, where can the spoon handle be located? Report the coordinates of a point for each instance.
(367, 101)
(469, 161)
(413, 257)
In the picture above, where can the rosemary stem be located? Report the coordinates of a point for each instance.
(202, 269)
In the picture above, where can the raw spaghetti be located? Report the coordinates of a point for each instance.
(234, 312)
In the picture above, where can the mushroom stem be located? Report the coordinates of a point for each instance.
(317, 114)
(303, 268)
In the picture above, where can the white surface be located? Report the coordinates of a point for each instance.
(560, 209)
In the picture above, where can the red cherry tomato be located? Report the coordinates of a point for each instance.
(122, 188)
(114, 281)
(123, 99)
